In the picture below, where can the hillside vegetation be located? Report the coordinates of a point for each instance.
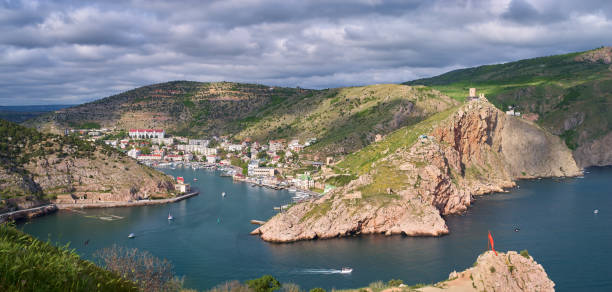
(181, 107)
(342, 119)
(570, 95)
(37, 167)
(27, 264)
(346, 119)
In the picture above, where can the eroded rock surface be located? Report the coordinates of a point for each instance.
(476, 150)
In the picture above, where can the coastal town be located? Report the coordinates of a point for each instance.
(275, 164)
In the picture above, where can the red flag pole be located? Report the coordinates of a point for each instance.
(492, 243)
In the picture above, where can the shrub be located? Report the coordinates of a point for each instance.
(395, 282)
(525, 254)
(492, 269)
(266, 283)
(317, 290)
(378, 285)
(147, 271)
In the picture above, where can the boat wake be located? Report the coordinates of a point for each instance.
(321, 271)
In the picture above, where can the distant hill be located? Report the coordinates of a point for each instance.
(37, 168)
(570, 95)
(21, 113)
(342, 119)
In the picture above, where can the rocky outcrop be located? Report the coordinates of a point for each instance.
(503, 272)
(603, 55)
(476, 150)
(595, 153)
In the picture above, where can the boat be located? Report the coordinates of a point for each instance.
(293, 190)
(223, 194)
(346, 270)
(595, 211)
(195, 179)
(170, 217)
(132, 235)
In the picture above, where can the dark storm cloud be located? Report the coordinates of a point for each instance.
(76, 51)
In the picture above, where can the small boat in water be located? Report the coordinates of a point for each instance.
(223, 194)
(195, 179)
(170, 217)
(596, 211)
(346, 270)
(293, 190)
(132, 235)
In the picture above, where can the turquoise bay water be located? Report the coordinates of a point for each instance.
(209, 241)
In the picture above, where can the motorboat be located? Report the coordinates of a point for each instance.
(132, 235)
(346, 270)
(223, 194)
(595, 211)
(170, 217)
(195, 179)
(293, 190)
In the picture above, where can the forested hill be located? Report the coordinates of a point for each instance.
(570, 95)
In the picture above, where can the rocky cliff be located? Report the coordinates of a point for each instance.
(38, 168)
(508, 271)
(409, 180)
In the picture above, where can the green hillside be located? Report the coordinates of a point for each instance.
(569, 94)
(27, 264)
(342, 119)
(345, 119)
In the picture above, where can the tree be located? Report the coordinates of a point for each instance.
(266, 283)
(317, 290)
(147, 271)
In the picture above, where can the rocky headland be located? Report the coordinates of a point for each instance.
(508, 271)
(39, 169)
(416, 175)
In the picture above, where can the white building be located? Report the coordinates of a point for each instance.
(133, 153)
(234, 147)
(211, 158)
(261, 171)
(146, 133)
(295, 146)
(163, 141)
(201, 149)
(199, 142)
(149, 157)
(277, 145)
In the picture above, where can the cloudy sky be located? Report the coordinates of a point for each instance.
(68, 52)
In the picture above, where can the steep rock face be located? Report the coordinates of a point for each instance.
(477, 150)
(597, 152)
(101, 179)
(509, 272)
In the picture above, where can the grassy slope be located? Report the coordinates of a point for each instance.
(345, 119)
(27, 264)
(183, 107)
(555, 87)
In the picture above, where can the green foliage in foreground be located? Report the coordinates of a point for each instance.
(266, 283)
(27, 264)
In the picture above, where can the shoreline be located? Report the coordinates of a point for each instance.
(52, 208)
(127, 204)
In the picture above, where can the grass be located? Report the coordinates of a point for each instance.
(27, 264)
(555, 88)
(317, 211)
(361, 161)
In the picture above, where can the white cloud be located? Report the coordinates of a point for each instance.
(58, 52)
